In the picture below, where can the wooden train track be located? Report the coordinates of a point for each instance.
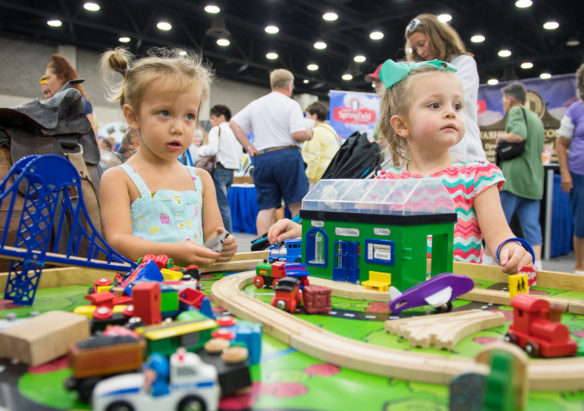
(544, 375)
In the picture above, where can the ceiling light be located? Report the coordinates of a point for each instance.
(376, 35)
(320, 45)
(91, 6)
(271, 29)
(312, 67)
(347, 76)
(124, 39)
(526, 65)
(223, 42)
(55, 23)
(444, 17)
(330, 16)
(212, 8)
(492, 82)
(182, 53)
(477, 38)
(271, 55)
(551, 25)
(164, 25)
(359, 58)
(504, 53)
(522, 4)
(306, 81)
(545, 76)
(573, 42)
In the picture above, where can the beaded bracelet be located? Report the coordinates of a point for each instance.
(521, 241)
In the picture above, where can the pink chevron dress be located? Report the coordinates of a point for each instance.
(464, 181)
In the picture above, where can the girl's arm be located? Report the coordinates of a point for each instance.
(495, 230)
(212, 221)
(117, 225)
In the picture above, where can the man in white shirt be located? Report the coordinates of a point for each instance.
(279, 130)
(227, 151)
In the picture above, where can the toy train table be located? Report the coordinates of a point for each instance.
(337, 361)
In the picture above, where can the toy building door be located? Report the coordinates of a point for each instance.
(346, 261)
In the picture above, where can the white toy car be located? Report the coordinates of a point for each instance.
(193, 386)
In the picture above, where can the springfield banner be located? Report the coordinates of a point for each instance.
(351, 111)
(549, 99)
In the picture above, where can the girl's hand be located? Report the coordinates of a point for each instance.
(229, 246)
(188, 252)
(512, 255)
(282, 230)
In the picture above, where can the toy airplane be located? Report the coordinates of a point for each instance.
(438, 291)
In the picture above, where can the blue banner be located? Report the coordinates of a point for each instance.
(351, 111)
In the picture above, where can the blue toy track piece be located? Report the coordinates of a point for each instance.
(52, 196)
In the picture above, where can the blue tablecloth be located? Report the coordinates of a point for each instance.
(244, 208)
(562, 227)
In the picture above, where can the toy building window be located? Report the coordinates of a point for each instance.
(185, 372)
(190, 340)
(317, 247)
(379, 251)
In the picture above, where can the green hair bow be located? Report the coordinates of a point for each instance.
(393, 72)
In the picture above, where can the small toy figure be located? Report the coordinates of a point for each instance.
(156, 375)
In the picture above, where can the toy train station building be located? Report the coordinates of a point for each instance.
(360, 230)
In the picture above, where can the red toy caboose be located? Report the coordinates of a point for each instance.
(536, 328)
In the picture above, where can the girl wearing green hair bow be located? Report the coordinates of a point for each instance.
(421, 119)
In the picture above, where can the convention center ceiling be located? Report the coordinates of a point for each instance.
(328, 44)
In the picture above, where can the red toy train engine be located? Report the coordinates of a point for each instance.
(537, 328)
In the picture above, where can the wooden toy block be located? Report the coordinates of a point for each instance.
(104, 288)
(378, 281)
(519, 383)
(171, 274)
(43, 338)
(146, 298)
(518, 283)
(317, 299)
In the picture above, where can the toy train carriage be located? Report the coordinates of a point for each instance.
(270, 273)
(536, 328)
(167, 338)
(288, 295)
(101, 357)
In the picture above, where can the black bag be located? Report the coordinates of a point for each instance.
(357, 158)
(57, 126)
(506, 150)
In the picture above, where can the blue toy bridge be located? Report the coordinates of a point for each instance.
(53, 201)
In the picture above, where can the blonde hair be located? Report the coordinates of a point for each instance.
(280, 78)
(445, 42)
(179, 72)
(397, 101)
